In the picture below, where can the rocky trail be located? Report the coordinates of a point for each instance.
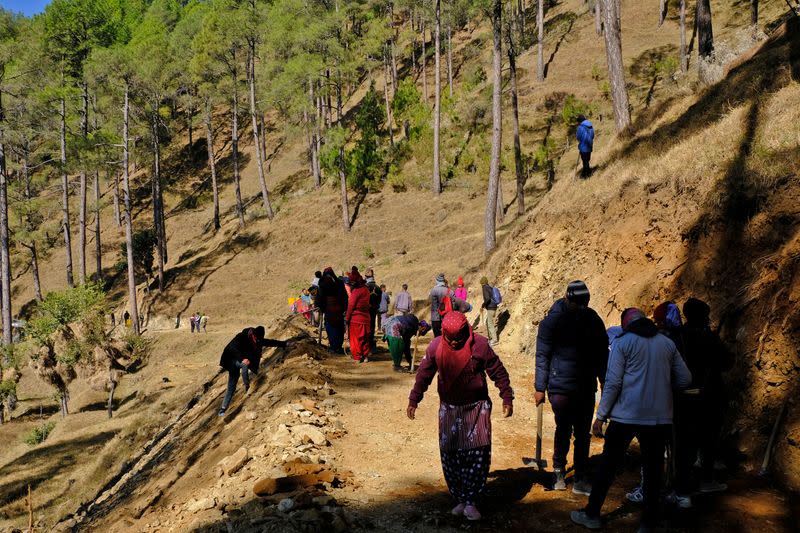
(322, 443)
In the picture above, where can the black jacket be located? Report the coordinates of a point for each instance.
(487, 297)
(243, 346)
(571, 350)
(706, 356)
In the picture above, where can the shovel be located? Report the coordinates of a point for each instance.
(537, 461)
(319, 333)
(414, 355)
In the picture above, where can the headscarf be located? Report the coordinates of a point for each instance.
(460, 281)
(667, 315)
(631, 315)
(697, 311)
(452, 361)
(424, 328)
(355, 278)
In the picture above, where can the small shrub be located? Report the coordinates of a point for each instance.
(597, 72)
(605, 89)
(137, 345)
(475, 76)
(368, 253)
(39, 434)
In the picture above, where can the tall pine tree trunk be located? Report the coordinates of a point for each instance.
(29, 223)
(450, 59)
(251, 81)
(212, 161)
(598, 17)
(83, 189)
(437, 99)
(662, 12)
(343, 190)
(616, 69)
(98, 248)
(684, 56)
(5, 258)
(312, 148)
(65, 193)
(387, 78)
(518, 166)
(235, 148)
(126, 191)
(540, 44)
(115, 194)
(490, 238)
(705, 31)
(754, 12)
(424, 63)
(158, 207)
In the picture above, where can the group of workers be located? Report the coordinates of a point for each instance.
(661, 382)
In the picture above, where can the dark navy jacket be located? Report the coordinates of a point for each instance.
(571, 350)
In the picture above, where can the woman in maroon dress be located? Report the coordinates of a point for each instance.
(462, 359)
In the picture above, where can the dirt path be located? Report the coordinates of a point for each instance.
(399, 484)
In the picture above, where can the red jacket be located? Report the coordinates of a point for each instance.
(358, 306)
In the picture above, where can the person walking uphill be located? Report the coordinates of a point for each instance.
(331, 300)
(585, 136)
(438, 293)
(462, 360)
(403, 304)
(643, 369)
(241, 356)
(375, 299)
(358, 318)
(571, 356)
(490, 307)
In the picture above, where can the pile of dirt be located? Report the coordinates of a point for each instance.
(201, 469)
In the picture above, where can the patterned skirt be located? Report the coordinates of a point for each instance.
(465, 444)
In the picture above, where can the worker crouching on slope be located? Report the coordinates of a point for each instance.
(463, 358)
(643, 369)
(243, 355)
(399, 330)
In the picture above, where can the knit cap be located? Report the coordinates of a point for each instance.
(440, 277)
(578, 292)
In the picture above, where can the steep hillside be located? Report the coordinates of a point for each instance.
(701, 201)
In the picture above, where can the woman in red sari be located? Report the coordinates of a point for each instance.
(358, 318)
(463, 359)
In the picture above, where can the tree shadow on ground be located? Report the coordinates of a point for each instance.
(41, 465)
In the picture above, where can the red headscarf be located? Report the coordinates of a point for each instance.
(355, 278)
(452, 360)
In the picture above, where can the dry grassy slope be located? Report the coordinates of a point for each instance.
(702, 201)
(245, 276)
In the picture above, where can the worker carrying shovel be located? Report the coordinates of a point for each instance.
(571, 356)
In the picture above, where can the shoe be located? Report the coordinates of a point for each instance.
(221, 412)
(582, 487)
(558, 480)
(683, 502)
(397, 368)
(494, 343)
(458, 510)
(583, 519)
(713, 486)
(636, 495)
(471, 513)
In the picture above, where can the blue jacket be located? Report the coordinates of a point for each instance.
(643, 369)
(571, 350)
(585, 136)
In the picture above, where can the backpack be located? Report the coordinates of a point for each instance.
(497, 298)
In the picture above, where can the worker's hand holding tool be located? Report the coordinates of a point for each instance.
(597, 428)
(538, 398)
(410, 411)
